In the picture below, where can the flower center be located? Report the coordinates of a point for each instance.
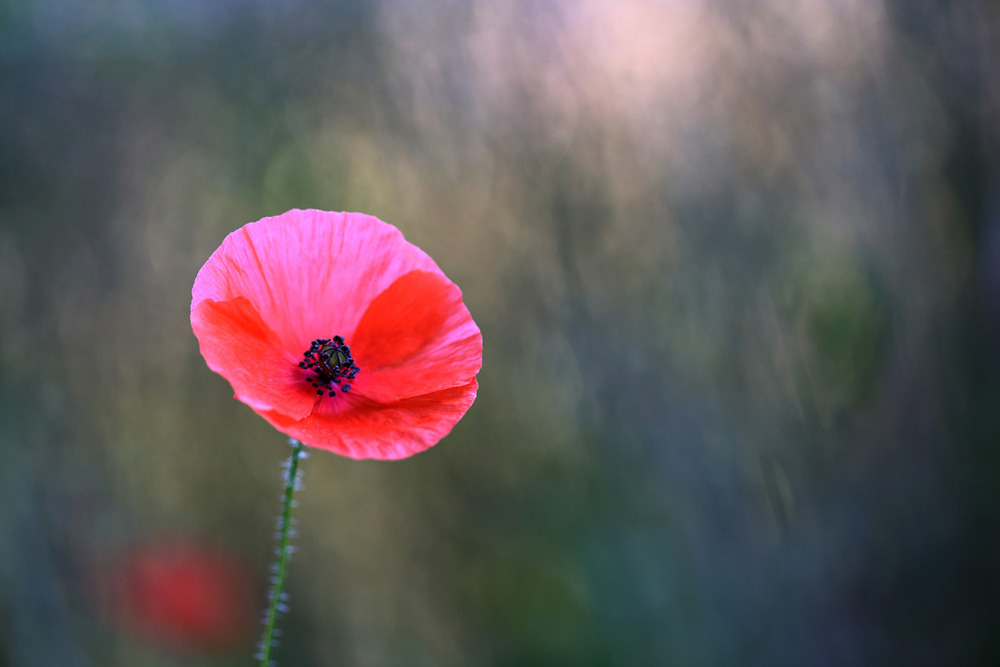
(331, 361)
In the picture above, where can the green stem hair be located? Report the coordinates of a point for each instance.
(276, 604)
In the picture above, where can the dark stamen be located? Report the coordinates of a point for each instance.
(331, 361)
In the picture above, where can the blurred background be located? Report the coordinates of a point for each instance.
(737, 268)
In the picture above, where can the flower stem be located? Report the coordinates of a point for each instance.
(275, 605)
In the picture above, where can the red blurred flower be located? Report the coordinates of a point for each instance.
(183, 596)
(339, 332)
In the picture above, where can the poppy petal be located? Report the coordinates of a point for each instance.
(310, 274)
(364, 429)
(182, 595)
(416, 337)
(238, 345)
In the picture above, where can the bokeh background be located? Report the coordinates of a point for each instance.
(737, 268)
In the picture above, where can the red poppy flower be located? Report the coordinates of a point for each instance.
(339, 332)
(182, 595)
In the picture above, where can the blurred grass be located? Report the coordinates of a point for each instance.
(731, 264)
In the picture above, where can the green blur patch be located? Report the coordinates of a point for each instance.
(846, 317)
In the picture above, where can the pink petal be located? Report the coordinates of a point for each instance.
(360, 428)
(310, 274)
(416, 337)
(238, 345)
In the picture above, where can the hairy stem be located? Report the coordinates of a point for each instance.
(275, 605)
